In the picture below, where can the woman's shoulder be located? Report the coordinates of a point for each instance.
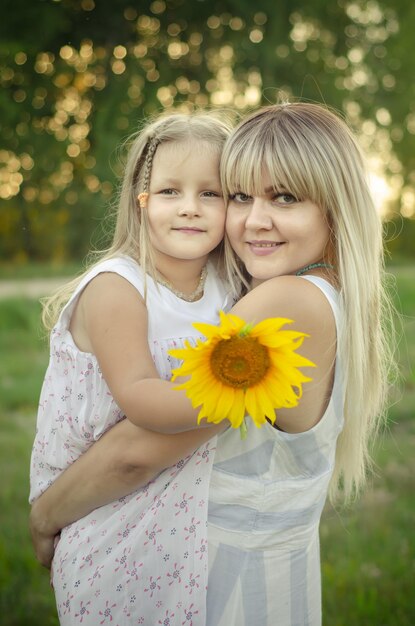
(306, 302)
(306, 308)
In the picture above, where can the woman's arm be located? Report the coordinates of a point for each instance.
(122, 460)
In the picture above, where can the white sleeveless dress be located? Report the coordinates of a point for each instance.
(266, 496)
(143, 558)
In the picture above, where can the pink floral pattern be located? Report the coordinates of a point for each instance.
(141, 559)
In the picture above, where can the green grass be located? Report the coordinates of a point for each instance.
(368, 551)
(25, 595)
(24, 271)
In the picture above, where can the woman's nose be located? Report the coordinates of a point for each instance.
(259, 217)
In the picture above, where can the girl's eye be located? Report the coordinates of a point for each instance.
(212, 194)
(285, 198)
(167, 192)
(240, 197)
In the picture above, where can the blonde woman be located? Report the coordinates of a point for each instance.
(308, 237)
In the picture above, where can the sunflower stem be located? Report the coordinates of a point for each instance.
(245, 330)
(243, 429)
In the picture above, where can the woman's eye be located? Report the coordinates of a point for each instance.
(240, 197)
(285, 198)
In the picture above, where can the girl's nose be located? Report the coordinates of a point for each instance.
(259, 217)
(189, 205)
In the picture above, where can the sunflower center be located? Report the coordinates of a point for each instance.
(239, 362)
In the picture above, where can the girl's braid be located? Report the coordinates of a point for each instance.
(148, 164)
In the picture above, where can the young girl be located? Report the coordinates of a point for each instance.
(303, 223)
(109, 329)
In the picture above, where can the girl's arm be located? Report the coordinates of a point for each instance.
(114, 320)
(122, 460)
(110, 321)
(287, 297)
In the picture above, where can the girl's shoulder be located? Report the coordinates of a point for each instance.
(123, 266)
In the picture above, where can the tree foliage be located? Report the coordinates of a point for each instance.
(78, 77)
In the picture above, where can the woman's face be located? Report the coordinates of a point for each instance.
(275, 234)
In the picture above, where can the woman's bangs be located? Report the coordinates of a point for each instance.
(246, 161)
(285, 172)
(242, 170)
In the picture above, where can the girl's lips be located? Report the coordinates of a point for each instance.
(264, 248)
(189, 231)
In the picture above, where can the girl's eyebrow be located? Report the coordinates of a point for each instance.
(173, 182)
(167, 182)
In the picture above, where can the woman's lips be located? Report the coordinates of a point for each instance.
(264, 248)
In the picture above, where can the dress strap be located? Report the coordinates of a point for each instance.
(123, 266)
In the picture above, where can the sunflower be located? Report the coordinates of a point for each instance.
(242, 369)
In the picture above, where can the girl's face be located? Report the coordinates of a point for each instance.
(275, 233)
(186, 209)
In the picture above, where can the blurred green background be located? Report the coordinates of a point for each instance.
(77, 78)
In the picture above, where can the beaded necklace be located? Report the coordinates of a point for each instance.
(313, 266)
(191, 297)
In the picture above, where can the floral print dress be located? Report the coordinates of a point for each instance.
(143, 558)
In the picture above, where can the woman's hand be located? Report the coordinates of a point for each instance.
(44, 540)
(124, 459)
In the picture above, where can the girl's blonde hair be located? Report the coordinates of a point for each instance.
(310, 151)
(131, 232)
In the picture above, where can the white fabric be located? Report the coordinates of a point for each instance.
(142, 559)
(266, 496)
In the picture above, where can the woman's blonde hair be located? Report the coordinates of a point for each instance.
(310, 151)
(131, 232)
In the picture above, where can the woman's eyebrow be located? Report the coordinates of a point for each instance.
(274, 188)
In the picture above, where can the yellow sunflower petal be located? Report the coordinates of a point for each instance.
(211, 402)
(188, 367)
(280, 392)
(264, 404)
(223, 406)
(253, 407)
(289, 339)
(231, 321)
(229, 326)
(208, 330)
(269, 326)
(283, 394)
(237, 412)
(207, 397)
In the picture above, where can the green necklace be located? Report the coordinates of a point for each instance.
(313, 266)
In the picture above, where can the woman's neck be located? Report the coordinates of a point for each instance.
(325, 270)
